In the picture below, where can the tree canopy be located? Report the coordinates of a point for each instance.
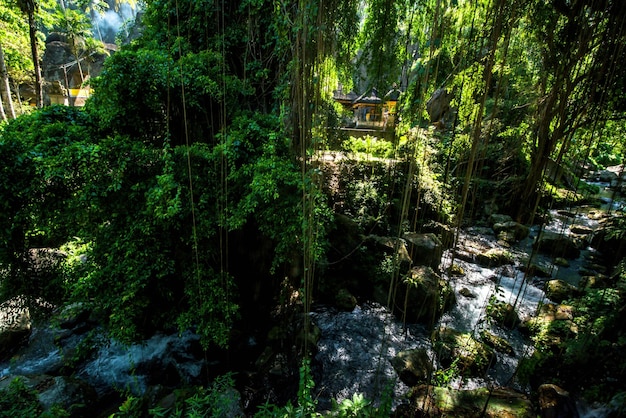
(198, 143)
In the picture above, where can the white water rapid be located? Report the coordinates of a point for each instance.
(356, 347)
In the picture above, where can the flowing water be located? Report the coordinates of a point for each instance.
(356, 347)
(114, 367)
(355, 350)
(41, 356)
(131, 368)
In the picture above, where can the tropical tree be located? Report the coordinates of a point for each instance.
(16, 48)
(380, 43)
(30, 8)
(582, 57)
(6, 92)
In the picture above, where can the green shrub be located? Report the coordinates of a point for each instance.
(133, 218)
(368, 146)
(19, 401)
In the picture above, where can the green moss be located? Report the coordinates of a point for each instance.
(497, 343)
(473, 357)
(18, 400)
(500, 403)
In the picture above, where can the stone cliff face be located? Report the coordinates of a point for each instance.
(61, 72)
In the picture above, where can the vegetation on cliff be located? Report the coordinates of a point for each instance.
(195, 186)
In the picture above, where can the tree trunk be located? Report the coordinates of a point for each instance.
(552, 110)
(32, 28)
(3, 115)
(538, 159)
(7, 88)
(20, 105)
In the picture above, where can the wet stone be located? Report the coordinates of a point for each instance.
(467, 293)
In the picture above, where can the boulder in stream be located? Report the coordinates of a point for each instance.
(561, 262)
(555, 402)
(413, 366)
(472, 356)
(552, 324)
(605, 176)
(497, 343)
(594, 281)
(581, 229)
(345, 300)
(559, 290)
(538, 269)
(503, 314)
(611, 245)
(557, 245)
(427, 295)
(498, 218)
(465, 292)
(494, 257)
(456, 270)
(510, 231)
(424, 249)
(431, 401)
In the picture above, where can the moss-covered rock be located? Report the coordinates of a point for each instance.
(456, 270)
(551, 326)
(557, 245)
(555, 402)
(444, 232)
(345, 300)
(413, 366)
(494, 257)
(595, 281)
(498, 218)
(465, 292)
(561, 262)
(559, 290)
(422, 296)
(431, 401)
(581, 230)
(510, 231)
(537, 270)
(503, 314)
(497, 343)
(424, 249)
(393, 247)
(472, 356)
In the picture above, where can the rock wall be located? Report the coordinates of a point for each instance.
(61, 73)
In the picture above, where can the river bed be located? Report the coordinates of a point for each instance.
(356, 347)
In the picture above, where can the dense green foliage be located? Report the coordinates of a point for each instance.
(199, 146)
(17, 400)
(147, 183)
(587, 350)
(130, 203)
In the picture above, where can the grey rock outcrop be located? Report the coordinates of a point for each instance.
(557, 245)
(424, 249)
(413, 366)
(423, 296)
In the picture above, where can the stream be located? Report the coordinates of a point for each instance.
(356, 347)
